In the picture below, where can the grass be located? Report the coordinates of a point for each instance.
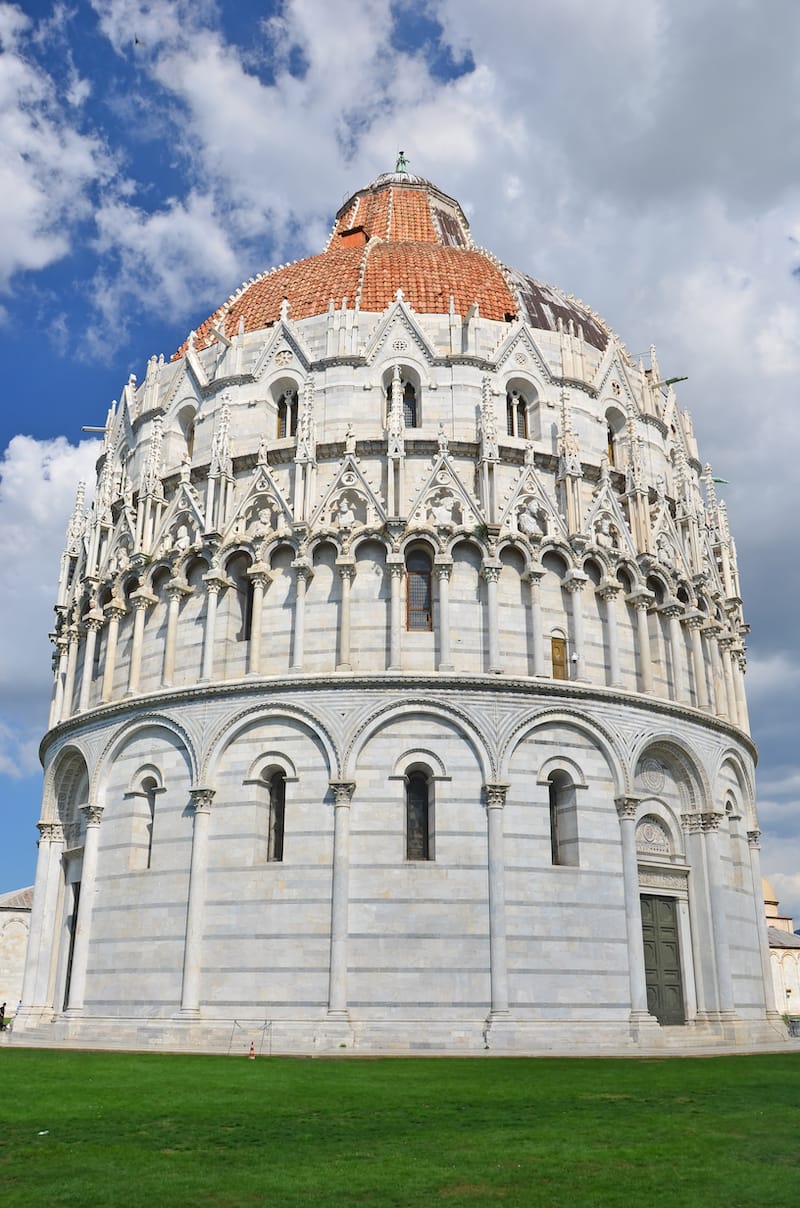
(122, 1129)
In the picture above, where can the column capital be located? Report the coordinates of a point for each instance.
(177, 588)
(672, 609)
(710, 821)
(693, 618)
(490, 571)
(215, 581)
(754, 839)
(342, 791)
(627, 807)
(395, 564)
(302, 568)
(346, 568)
(641, 599)
(495, 794)
(141, 599)
(608, 589)
(259, 573)
(115, 610)
(534, 574)
(50, 832)
(94, 620)
(575, 581)
(692, 823)
(93, 814)
(202, 799)
(443, 566)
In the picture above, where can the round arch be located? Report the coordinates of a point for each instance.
(232, 727)
(128, 732)
(591, 729)
(370, 726)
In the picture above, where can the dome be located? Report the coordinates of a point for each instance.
(401, 232)
(398, 682)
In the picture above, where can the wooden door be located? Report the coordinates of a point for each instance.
(662, 959)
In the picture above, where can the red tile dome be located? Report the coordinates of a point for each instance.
(401, 232)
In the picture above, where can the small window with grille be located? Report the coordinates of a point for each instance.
(419, 611)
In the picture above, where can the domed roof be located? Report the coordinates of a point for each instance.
(401, 232)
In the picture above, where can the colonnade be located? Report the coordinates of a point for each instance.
(721, 693)
(709, 989)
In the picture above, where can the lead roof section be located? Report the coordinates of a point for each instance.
(401, 232)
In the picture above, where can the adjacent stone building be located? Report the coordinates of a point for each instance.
(398, 696)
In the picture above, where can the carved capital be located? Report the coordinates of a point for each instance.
(443, 567)
(342, 791)
(491, 572)
(142, 599)
(627, 807)
(214, 582)
(94, 621)
(50, 832)
(346, 568)
(115, 610)
(495, 795)
(202, 799)
(608, 589)
(710, 821)
(259, 573)
(575, 581)
(302, 569)
(93, 814)
(672, 609)
(754, 839)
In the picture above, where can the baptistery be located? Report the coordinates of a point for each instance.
(398, 697)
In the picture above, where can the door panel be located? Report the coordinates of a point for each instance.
(662, 959)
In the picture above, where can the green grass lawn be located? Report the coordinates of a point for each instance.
(97, 1128)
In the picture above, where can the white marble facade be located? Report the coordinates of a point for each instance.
(400, 653)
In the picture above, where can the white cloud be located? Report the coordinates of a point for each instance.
(37, 493)
(47, 167)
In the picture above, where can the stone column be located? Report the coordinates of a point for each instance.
(641, 602)
(80, 950)
(340, 893)
(214, 584)
(713, 629)
(94, 623)
(534, 582)
(57, 710)
(626, 810)
(41, 924)
(673, 611)
(175, 590)
(574, 581)
(141, 601)
(444, 567)
(608, 592)
(495, 801)
(753, 837)
(491, 574)
(347, 571)
(725, 644)
(195, 909)
(695, 621)
(73, 635)
(303, 574)
(738, 665)
(260, 577)
(719, 919)
(115, 612)
(50, 932)
(396, 568)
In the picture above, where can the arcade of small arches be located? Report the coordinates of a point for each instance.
(434, 599)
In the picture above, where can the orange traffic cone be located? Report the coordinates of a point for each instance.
(252, 1051)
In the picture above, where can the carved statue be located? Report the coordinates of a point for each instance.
(345, 513)
(182, 538)
(530, 521)
(605, 533)
(441, 509)
(350, 439)
(263, 524)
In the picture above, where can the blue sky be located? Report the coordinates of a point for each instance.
(641, 154)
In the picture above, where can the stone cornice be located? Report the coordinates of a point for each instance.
(291, 685)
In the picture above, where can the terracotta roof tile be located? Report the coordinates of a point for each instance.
(406, 250)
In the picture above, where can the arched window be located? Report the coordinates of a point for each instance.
(419, 816)
(149, 790)
(277, 815)
(563, 820)
(419, 609)
(243, 587)
(558, 657)
(410, 403)
(516, 415)
(287, 414)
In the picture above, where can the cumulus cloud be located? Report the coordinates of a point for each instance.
(48, 166)
(37, 494)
